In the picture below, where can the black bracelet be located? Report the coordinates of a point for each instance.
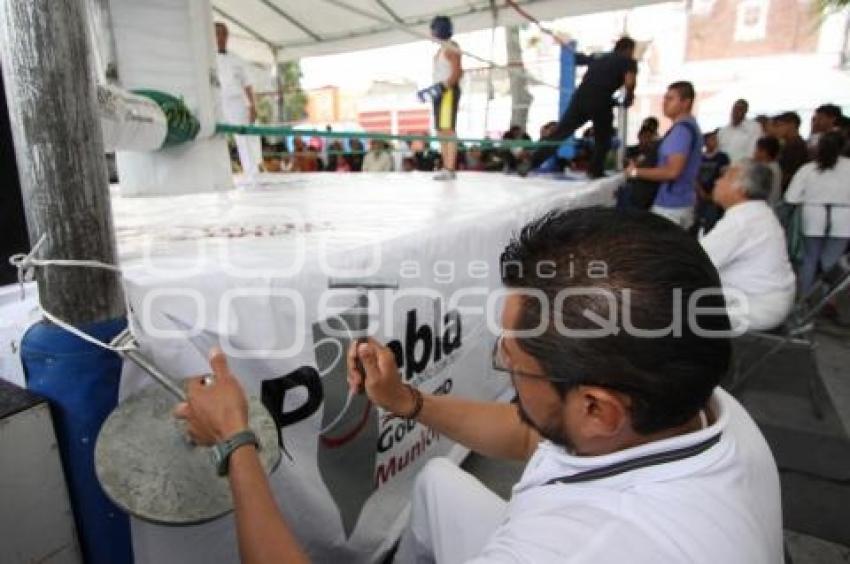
(418, 402)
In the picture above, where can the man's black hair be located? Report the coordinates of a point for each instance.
(648, 260)
(624, 44)
(770, 145)
(829, 110)
(646, 129)
(652, 122)
(685, 90)
(789, 117)
(830, 147)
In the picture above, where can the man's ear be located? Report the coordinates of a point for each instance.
(605, 413)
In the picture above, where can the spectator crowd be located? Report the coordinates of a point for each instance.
(314, 154)
(771, 208)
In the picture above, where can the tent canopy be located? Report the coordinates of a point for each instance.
(293, 28)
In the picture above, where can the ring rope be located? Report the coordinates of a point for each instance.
(535, 21)
(277, 130)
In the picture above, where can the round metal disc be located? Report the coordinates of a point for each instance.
(147, 467)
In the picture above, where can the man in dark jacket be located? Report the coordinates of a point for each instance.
(795, 152)
(592, 101)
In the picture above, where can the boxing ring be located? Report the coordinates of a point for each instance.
(248, 270)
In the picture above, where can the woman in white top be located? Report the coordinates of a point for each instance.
(823, 187)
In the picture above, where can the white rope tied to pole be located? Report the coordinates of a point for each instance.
(26, 263)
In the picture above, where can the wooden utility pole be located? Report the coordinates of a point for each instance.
(59, 150)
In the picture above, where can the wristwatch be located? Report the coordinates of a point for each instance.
(223, 450)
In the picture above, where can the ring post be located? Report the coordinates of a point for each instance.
(59, 150)
(568, 85)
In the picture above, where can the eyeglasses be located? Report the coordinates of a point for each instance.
(500, 366)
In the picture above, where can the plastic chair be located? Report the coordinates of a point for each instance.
(798, 330)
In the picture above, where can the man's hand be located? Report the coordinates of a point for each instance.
(216, 411)
(382, 381)
(631, 169)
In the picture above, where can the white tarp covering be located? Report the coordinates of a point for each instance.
(249, 270)
(321, 27)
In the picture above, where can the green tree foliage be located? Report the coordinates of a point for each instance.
(294, 98)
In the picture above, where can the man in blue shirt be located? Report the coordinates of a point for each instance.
(679, 157)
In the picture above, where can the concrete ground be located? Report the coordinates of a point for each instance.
(813, 453)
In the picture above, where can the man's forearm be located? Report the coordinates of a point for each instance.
(492, 429)
(264, 536)
(582, 59)
(657, 174)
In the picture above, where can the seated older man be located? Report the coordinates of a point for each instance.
(748, 248)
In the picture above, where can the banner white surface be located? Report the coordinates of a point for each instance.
(249, 271)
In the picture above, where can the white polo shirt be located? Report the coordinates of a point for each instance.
(721, 505)
(739, 141)
(748, 248)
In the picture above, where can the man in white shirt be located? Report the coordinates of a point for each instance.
(237, 101)
(738, 139)
(748, 248)
(634, 452)
(378, 159)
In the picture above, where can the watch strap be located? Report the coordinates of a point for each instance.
(229, 446)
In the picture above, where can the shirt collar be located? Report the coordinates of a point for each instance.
(551, 461)
(744, 207)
